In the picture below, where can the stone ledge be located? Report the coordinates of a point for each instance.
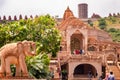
(18, 78)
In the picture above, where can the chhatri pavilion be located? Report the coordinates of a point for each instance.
(100, 54)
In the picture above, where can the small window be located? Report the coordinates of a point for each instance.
(92, 48)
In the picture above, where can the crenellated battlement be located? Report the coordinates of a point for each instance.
(114, 15)
(15, 18)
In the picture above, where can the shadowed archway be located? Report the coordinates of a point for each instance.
(76, 42)
(83, 69)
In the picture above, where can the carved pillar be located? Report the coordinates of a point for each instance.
(68, 41)
(99, 69)
(85, 41)
(70, 73)
(104, 59)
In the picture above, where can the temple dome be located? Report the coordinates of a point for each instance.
(68, 13)
(70, 20)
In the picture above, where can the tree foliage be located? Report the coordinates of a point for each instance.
(38, 66)
(90, 23)
(115, 34)
(40, 30)
(102, 24)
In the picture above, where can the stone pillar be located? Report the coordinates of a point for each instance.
(68, 41)
(99, 69)
(86, 42)
(83, 43)
(70, 69)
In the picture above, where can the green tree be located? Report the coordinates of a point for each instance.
(38, 65)
(102, 23)
(115, 34)
(40, 30)
(90, 23)
(112, 30)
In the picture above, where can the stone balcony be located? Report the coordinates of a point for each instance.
(91, 57)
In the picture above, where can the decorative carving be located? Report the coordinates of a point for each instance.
(69, 21)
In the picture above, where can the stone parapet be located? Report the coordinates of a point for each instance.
(85, 58)
(18, 78)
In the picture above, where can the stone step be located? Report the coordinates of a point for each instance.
(14, 78)
(84, 79)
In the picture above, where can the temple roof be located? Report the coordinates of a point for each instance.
(68, 13)
(70, 20)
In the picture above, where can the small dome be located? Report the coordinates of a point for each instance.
(68, 13)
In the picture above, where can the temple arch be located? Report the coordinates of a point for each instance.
(77, 42)
(82, 70)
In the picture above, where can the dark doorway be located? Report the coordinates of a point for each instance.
(83, 69)
(79, 70)
(64, 71)
(103, 71)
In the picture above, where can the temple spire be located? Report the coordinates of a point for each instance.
(68, 13)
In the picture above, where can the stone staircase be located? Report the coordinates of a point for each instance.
(115, 70)
(80, 77)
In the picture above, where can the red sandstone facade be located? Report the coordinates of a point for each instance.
(100, 55)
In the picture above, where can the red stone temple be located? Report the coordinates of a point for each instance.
(83, 49)
(99, 54)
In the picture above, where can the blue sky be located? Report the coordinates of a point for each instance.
(57, 7)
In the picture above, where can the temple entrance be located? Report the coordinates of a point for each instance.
(76, 42)
(82, 70)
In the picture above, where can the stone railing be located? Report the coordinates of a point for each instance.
(89, 56)
(96, 53)
(101, 52)
(85, 58)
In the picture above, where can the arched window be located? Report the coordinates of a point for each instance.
(92, 48)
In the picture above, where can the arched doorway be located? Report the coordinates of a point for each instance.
(76, 42)
(83, 69)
